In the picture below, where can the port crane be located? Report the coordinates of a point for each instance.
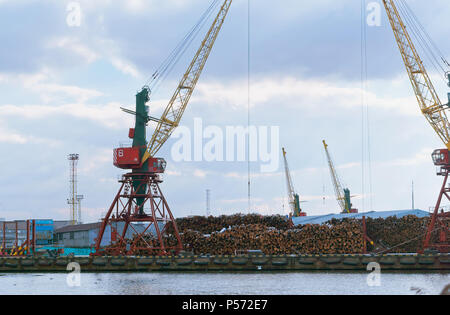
(139, 218)
(434, 111)
(343, 196)
(293, 197)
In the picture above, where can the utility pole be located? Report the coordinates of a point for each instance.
(72, 200)
(412, 195)
(208, 202)
(79, 198)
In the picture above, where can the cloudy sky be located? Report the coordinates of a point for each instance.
(62, 88)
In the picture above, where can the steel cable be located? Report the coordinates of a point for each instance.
(169, 63)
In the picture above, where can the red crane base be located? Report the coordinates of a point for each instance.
(139, 222)
(439, 221)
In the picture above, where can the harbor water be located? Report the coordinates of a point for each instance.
(296, 283)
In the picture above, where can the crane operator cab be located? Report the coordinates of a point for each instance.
(441, 157)
(156, 165)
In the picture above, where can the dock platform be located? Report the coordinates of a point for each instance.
(413, 262)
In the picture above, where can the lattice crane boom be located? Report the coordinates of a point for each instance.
(173, 113)
(429, 102)
(294, 202)
(338, 188)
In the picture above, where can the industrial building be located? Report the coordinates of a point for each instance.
(85, 235)
(81, 236)
(15, 232)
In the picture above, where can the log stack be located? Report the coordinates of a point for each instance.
(390, 232)
(230, 235)
(208, 225)
(311, 239)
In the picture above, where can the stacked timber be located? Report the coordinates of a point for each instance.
(208, 225)
(398, 235)
(341, 238)
(230, 235)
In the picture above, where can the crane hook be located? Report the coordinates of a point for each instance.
(447, 74)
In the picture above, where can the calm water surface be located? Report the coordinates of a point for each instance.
(224, 283)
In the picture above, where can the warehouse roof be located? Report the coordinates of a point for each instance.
(137, 227)
(79, 227)
(373, 214)
(60, 224)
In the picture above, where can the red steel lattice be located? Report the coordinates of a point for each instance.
(139, 219)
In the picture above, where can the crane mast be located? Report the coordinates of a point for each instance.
(435, 113)
(294, 199)
(342, 194)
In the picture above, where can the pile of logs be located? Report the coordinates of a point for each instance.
(391, 232)
(341, 238)
(272, 235)
(208, 225)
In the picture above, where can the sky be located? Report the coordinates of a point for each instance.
(62, 86)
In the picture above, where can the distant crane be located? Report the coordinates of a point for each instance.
(430, 105)
(140, 208)
(293, 197)
(343, 196)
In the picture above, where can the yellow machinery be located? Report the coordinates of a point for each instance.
(343, 196)
(294, 199)
(177, 105)
(430, 105)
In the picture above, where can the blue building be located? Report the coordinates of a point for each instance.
(320, 219)
(85, 235)
(16, 231)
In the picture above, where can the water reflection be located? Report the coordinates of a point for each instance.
(225, 283)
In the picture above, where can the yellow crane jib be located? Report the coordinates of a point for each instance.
(294, 199)
(343, 196)
(430, 104)
(173, 113)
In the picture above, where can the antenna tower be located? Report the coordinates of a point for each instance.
(73, 201)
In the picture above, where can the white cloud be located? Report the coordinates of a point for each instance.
(87, 214)
(95, 48)
(156, 6)
(96, 160)
(8, 136)
(74, 45)
(173, 173)
(136, 6)
(124, 66)
(239, 201)
(422, 157)
(241, 176)
(313, 94)
(14, 137)
(109, 115)
(200, 173)
(43, 84)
